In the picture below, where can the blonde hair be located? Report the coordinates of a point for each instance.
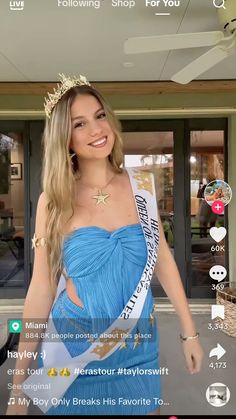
(60, 171)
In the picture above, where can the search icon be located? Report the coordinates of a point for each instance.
(219, 6)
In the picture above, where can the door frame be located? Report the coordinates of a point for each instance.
(177, 127)
(181, 129)
(203, 124)
(21, 126)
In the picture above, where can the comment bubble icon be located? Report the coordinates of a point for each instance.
(218, 272)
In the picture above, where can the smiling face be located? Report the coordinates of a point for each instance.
(91, 136)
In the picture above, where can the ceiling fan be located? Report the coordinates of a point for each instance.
(224, 42)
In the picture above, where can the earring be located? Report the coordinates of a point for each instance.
(72, 155)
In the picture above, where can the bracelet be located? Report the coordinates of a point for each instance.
(38, 241)
(17, 393)
(189, 337)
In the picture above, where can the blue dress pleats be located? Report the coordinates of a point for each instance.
(105, 268)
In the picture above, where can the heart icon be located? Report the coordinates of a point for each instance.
(218, 233)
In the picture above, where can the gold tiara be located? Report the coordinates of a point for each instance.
(66, 83)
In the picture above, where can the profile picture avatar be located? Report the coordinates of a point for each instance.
(218, 190)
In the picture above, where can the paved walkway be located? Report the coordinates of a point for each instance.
(183, 394)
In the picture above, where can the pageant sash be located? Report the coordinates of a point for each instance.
(57, 355)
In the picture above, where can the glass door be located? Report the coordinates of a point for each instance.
(183, 155)
(20, 172)
(157, 155)
(153, 145)
(12, 209)
(208, 162)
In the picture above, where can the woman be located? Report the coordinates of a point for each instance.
(217, 194)
(87, 226)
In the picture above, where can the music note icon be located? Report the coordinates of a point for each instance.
(11, 401)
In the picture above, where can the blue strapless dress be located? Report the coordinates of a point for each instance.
(105, 268)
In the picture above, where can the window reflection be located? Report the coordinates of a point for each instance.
(207, 164)
(11, 210)
(154, 151)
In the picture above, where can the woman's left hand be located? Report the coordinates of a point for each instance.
(193, 353)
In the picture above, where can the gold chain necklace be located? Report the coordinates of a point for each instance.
(100, 197)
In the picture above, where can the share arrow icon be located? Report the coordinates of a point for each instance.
(217, 351)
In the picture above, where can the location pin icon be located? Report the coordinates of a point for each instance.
(15, 326)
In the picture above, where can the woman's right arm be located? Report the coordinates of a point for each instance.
(39, 297)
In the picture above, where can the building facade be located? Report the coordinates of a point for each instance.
(185, 139)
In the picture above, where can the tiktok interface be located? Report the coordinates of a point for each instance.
(166, 68)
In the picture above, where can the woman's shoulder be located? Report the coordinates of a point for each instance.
(42, 201)
(43, 198)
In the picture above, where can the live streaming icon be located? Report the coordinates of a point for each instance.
(17, 5)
